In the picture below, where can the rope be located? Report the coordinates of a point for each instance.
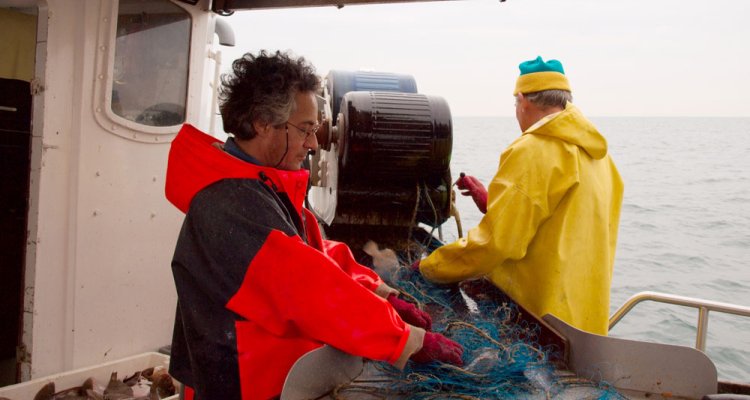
(502, 356)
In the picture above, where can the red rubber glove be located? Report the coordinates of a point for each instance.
(410, 313)
(472, 187)
(437, 347)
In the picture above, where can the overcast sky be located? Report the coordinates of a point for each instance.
(623, 58)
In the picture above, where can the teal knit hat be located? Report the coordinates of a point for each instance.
(538, 75)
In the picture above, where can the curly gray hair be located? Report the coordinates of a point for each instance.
(262, 88)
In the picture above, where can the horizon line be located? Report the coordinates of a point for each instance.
(616, 116)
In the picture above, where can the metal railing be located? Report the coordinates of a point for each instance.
(703, 306)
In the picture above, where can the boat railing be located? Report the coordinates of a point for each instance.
(703, 306)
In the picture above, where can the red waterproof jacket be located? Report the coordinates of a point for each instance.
(257, 285)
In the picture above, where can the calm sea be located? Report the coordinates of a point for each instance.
(685, 224)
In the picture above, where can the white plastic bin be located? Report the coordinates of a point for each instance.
(101, 374)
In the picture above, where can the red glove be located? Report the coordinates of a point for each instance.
(410, 313)
(437, 347)
(472, 187)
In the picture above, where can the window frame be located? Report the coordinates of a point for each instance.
(104, 80)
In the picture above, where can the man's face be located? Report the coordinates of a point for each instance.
(298, 131)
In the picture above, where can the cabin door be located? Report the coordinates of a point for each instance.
(15, 138)
(16, 71)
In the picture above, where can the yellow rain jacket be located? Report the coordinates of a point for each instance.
(548, 238)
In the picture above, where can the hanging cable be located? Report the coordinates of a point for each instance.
(455, 214)
(287, 147)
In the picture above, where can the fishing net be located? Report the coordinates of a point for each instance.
(504, 354)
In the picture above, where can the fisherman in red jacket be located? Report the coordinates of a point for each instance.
(257, 286)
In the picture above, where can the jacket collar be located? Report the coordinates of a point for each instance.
(571, 126)
(196, 160)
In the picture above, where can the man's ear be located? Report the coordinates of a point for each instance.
(523, 103)
(262, 128)
(521, 99)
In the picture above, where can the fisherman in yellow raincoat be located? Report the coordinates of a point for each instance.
(552, 211)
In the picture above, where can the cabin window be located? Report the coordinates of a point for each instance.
(150, 72)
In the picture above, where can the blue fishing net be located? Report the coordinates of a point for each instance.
(503, 355)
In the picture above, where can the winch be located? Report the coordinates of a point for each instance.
(384, 157)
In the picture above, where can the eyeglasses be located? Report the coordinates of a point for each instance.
(313, 129)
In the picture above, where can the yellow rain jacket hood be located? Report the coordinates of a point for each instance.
(548, 238)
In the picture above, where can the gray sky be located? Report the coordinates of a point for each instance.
(623, 58)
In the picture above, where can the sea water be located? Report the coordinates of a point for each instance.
(684, 227)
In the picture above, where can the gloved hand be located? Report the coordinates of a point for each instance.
(472, 187)
(410, 313)
(437, 347)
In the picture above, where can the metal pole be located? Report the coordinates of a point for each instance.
(700, 339)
